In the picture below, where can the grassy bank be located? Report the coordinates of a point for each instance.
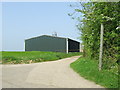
(0, 57)
(33, 57)
(89, 70)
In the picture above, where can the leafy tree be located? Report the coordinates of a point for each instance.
(95, 13)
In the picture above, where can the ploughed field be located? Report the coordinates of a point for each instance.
(32, 56)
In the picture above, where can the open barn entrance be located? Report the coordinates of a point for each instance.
(73, 46)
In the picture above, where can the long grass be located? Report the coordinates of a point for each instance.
(33, 57)
(0, 57)
(88, 69)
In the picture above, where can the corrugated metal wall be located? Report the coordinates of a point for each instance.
(46, 43)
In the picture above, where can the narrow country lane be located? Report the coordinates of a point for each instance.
(53, 74)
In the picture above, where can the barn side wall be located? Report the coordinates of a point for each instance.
(46, 43)
(73, 46)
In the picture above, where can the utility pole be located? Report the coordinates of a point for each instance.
(101, 47)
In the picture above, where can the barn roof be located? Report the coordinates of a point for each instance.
(51, 36)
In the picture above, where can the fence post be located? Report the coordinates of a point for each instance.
(101, 47)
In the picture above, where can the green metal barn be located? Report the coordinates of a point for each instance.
(51, 43)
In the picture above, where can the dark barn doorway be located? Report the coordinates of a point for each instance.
(73, 46)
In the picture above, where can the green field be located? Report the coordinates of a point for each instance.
(88, 69)
(32, 57)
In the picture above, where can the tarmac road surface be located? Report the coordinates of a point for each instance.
(52, 74)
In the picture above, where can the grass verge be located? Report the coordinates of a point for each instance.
(89, 70)
(33, 57)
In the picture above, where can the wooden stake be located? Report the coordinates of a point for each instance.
(101, 47)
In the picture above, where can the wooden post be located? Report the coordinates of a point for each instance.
(101, 47)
